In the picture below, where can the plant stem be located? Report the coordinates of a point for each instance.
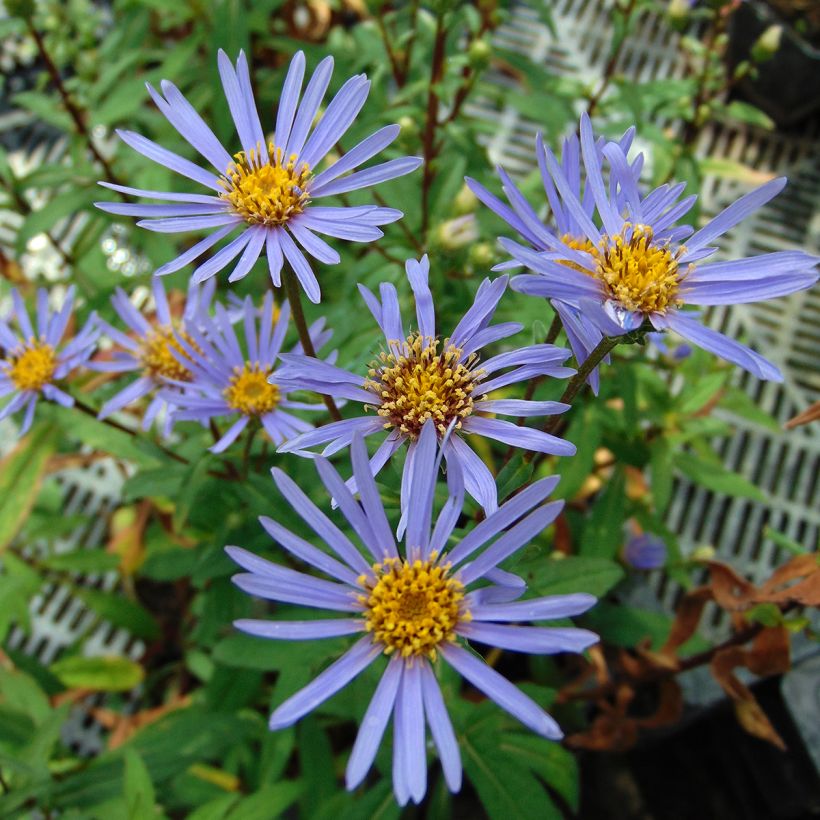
(71, 107)
(90, 411)
(612, 62)
(431, 121)
(293, 291)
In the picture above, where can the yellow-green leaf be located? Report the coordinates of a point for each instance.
(109, 673)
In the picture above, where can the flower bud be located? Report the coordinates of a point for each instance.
(704, 553)
(465, 202)
(479, 54)
(645, 551)
(482, 255)
(458, 232)
(767, 44)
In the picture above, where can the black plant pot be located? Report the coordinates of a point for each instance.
(787, 87)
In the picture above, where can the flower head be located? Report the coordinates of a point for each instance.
(645, 551)
(223, 378)
(268, 190)
(152, 349)
(414, 603)
(630, 268)
(420, 376)
(33, 363)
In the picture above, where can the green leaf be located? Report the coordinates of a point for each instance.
(21, 473)
(109, 673)
(45, 108)
(603, 534)
(571, 574)
(585, 434)
(139, 790)
(661, 474)
(694, 398)
(748, 113)
(249, 652)
(120, 611)
(714, 476)
(513, 474)
(784, 542)
(739, 403)
(82, 560)
(268, 803)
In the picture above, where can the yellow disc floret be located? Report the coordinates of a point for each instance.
(266, 193)
(32, 366)
(157, 358)
(577, 244)
(250, 392)
(412, 608)
(638, 275)
(419, 383)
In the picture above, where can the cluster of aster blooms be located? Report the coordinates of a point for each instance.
(610, 260)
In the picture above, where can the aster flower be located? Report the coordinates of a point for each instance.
(635, 269)
(148, 350)
(226, 380)
(645, 551)
(267, 189)
(420, 376)
(568, 222)
(416, 603)
(33, 362)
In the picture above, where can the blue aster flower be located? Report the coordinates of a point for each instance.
(419, 376)
(32, 363)
(415, 604)
(631, 266)
(645, 551)
(268, 189)
(148, 350)
(242, 383)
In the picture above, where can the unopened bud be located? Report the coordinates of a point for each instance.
(645, 551)
(479, 53)
(482, 255)
(458, 232)
(678, 10)
(408, 125)
(465, 202)
(767, 44)
(704, 553)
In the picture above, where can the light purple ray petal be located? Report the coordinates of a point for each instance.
(369, 176)
(300, 630)
(195, 251)
(182, 115)
(500, 209)
(411, 706)
(371, 501)
(319, 522)
(536, 609)
(169, 159)
(136, 390)
(719, 344)
(257, 235)
(316, 247)
(222, 258)
(421, 485)
(230, 435)
(441, 728)
(752, 268)
(307, 279)
(478, 480)
(501, 691)
(362, 152)
(334, 678)
(181, 224)
(734, 292)
(524, 437)
(512, 540)
(178, 209)
(273, 249)
(307, 552)
(736, 212)
(535, 640)
(289, 99)
(336, 119)
(340, 229)
(417, 273)
(373, 724)
(202, 199)
(520, 407)
(304, 594)
(238, 105)
(309, 106)
(329, 432)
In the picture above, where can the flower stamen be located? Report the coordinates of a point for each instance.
(266, 193)
(32, 366)
(419, 383)
(250, 392)
(412, 608)
(157, 358)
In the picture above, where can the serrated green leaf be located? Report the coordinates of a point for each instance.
(571, 574)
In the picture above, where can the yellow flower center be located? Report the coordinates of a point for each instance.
(250, 392)
(157, 359)
(636, 274)
(266, 193)
(413, 608)
(421, 383)
(33, 366)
